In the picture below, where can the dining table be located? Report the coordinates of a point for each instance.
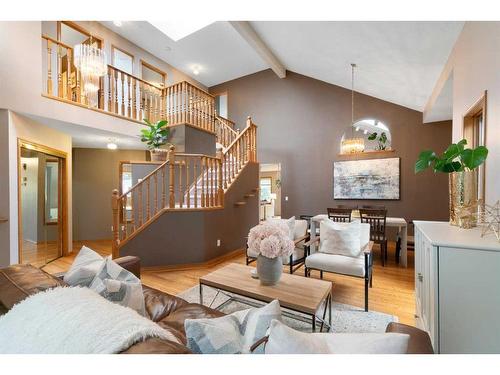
(395, 222)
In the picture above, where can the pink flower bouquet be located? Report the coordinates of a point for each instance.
(271, 240)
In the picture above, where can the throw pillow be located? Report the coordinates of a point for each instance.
(84, 268)
(120, 286)
(340, 238)
(231, 334)
(285, 340)
(289, 222)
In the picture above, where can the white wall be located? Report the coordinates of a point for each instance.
(20, 127)
(474, 65)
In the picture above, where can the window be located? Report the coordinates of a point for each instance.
(265, 189)
(153, 75)
(221, 105)
(474, 132)
(122, 60)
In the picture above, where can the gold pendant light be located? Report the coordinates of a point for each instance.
(352, 145)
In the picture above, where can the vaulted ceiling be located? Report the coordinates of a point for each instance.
(397, 61)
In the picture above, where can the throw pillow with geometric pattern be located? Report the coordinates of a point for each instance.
(84, 268)
(231, 334)
(120, 286)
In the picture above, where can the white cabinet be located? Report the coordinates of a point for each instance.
(457, 288)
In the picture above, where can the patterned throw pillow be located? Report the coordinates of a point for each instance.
(84, 268)
(120, 286)
(231, 334)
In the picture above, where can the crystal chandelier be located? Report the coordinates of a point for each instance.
(352, 145)
(91, 63)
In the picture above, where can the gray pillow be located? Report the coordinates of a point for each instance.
(84, 268)
(120, 286)
(231, 334)
(285, 340)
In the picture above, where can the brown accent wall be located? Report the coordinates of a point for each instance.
(95, 175)
(300, 123)
(191, 237)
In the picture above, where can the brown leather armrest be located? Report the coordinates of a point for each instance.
(419, 343)
(130, 263)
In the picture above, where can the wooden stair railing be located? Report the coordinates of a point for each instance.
(164, 190)
(242, 150)
(224, 131)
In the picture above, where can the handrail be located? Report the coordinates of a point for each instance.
(226, 121)
(225, 133)
(134, 187)
(44, 36)
(134, 77)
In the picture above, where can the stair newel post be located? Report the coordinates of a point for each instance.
(171, 162)
(115, 204)
(220, 193)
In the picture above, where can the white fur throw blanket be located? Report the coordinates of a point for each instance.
(73, 320)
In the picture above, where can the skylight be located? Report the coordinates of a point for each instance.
(180, 28)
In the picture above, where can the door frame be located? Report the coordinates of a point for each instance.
(63, 186)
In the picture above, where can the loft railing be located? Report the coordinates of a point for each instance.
(123, 95)
(224, 131)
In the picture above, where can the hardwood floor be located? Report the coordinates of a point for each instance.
(392, 292)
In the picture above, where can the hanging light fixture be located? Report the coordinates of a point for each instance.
(91, 63)
(352, 145)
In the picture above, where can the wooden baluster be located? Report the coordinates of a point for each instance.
(181, 195)
(49, 67)
(115, 103)
(220, 193)
(122, 79)
(124, 216)
(68, 74)
(115, 228)
(148, 200)
(225, 166)
(129, 97)
(155, 206)
(110, 90)
(213, 176)
(133, 83)
(139, 205)
(133, 211)
(78, 87)
(164, 189)
(195, 179)
(146, 104)
(202, 181)
(188, 186)
(171, 193)
(59, 72)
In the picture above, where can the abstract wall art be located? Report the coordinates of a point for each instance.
(367, 179)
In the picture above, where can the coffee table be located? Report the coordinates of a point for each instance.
(296, 293)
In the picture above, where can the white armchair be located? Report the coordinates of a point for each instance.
(297, 258)
(360, 266)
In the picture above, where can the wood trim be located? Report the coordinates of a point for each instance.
(59, 178)
(374, 152)
(63, 232)
(193, 266)
(113, 47)
(155, 69)
(80, 29)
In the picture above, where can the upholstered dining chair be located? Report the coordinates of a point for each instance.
(377, 220)
(360, 266)
(296, 260)
(341, 215)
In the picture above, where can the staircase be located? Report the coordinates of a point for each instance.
(185, 182)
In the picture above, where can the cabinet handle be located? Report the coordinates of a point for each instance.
(420, 277)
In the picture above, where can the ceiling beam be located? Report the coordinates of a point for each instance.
(254, 40)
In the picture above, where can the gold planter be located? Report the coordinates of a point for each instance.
(463, 199)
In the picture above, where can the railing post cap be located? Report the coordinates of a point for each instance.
(115, 192)
(171, 147)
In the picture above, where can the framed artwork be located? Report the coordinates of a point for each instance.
(367, 179)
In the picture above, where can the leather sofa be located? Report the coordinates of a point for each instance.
(19, 281)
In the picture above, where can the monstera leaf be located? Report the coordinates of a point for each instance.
(424, 160)
(473, 158)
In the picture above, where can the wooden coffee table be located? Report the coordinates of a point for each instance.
(296, 293)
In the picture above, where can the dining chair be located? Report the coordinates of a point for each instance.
(340, 215)
(377, 220)
(410, 241)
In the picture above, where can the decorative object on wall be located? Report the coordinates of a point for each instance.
(367, 179)
(156, 136)
(375, 134)
(90, 60)
(380, 138)
(461, 163)
(489, 219)
(353, 144)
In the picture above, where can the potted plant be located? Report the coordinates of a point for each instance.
(381, 140)
(156, 136)
(461, 164)
(272, 242)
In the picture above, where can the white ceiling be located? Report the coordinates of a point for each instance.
(397, 61)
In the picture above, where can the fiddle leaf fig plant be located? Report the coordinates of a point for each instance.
(456, 158)
(381, 139)
(156, 135)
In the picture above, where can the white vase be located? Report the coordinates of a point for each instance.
(269, 270)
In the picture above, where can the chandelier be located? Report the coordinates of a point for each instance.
(91, 63)
(352, 145)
